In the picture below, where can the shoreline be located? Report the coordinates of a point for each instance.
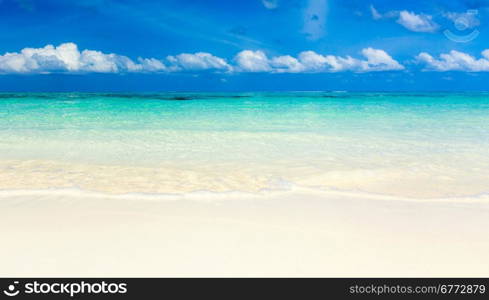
(173, 179)
(213, 196)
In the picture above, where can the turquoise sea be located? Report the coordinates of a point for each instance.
(416, 145)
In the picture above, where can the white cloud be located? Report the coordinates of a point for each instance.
(286, 63)
(66, 58)
(96, 61)
(198, 61)
(312, 62)
(409, 20)
(455, 61)
(417, 23)
(379, 60)
(376, 60)
(49, 58)
(252, 61)
(375, 13)
(151, 64)
(270, 4)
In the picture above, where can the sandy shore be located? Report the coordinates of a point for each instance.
(297, 233)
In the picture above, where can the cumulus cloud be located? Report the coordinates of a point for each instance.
(312, 62)
(410, 20)
(286, 63)
(198, 61)
(151, 64)
(252, 61)
(417, 22)
(455, 61)
(67, 58)
(379, 60)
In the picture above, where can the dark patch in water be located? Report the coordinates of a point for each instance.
(21, 96)
(181, 98)
(170, 97)
(156, 96)
(332, 96)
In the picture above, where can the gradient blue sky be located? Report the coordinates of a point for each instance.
(375, 45)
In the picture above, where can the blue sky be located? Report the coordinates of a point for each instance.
(126, 45)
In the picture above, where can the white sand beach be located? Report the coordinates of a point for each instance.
(298, 233)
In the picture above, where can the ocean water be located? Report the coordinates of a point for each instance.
(414, 145)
